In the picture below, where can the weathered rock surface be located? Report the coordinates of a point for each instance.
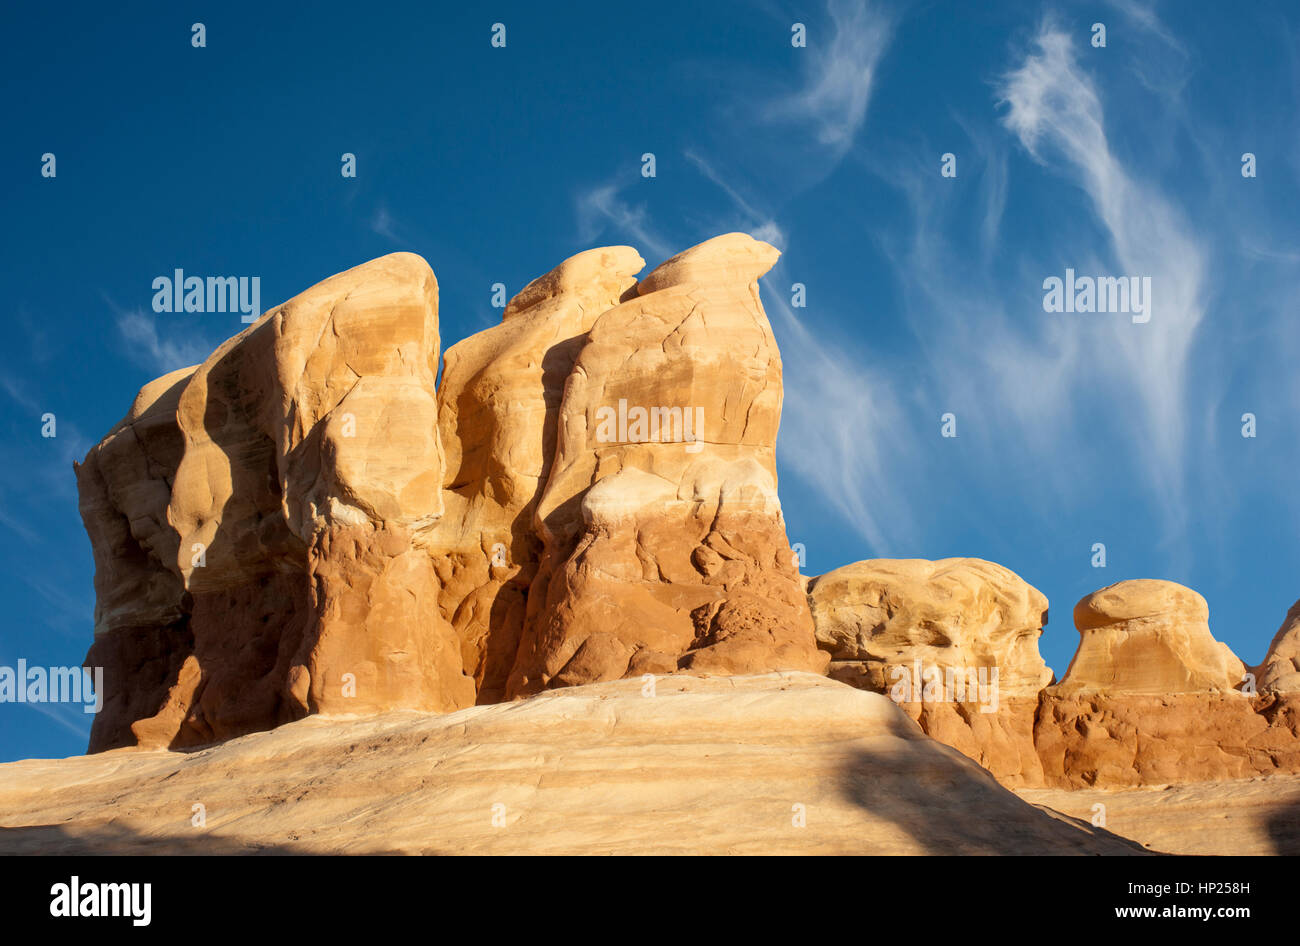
(302, 524)
(664, 547)
(1096, 739)
(498, 411)
(1151, 697)
(142, 635)
(276, 532)
(1280, 670)
(125, 488)
(885, 614)
(788, 763)
(954, 642)
(1242, 817)
(1148, 637)
(268, 516)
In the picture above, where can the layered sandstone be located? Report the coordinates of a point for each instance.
(1151, 697)
(772, 764)
(303, 525)
(1148, 637)
(498, 413)
(253, 522)
(877, 618)
(277, 531)
(1104, 740)
(1280, 670)
(954, 642)
(663, 543)
(1249, 817)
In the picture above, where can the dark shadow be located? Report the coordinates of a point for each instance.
(1283, 827)
(949, 805)
(114, 839)
(506, 615)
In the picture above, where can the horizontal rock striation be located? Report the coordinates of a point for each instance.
(254, 520)
(1150, 697)
(664, 547)
(787, 763)
(954, 642)
(305, 524)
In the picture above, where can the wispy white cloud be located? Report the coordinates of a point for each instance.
(839, 425)
(66, 612)
(70, 716)
(385, 224)
(758, 224)
(991, 163)
(18, 393)
(43, 464)
(602, 209)
(151, 349)
(839, 75)
(839, 414)
(1142, 14)
(1054, 109)
(784, 131)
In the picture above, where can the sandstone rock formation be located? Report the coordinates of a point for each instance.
(1148, 637)
(1280, 670)
(142, 635)
(1248, 817)
(1100, 740)
(276, 532)
(955, 642)
(1151, 697)
(498, 413)
(663, 542)
(878, 617)
(773, 764)
(253, 522)
(302, 524)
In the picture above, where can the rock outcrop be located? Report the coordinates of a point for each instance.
(498, 414)
(254, 518)
(1150, 697)
(1148, 637)
(1099, 740)
(664, 547)
(773, 764)
(277, 532)
(954, 642)
(303, 524)
(1280, 671)
(1249, 817)
(878, 617)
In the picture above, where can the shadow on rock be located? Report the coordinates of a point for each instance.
(1283, 827)
(949, 805)
(115, 839)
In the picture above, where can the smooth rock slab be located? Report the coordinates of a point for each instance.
(1251, 817)
(706, 765)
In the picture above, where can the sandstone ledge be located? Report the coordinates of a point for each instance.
(1243, 817)
(707, 765)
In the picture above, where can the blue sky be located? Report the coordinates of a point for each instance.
(924, 293)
